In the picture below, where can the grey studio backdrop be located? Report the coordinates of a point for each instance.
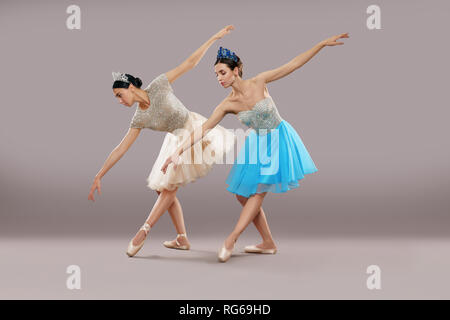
(373, 114)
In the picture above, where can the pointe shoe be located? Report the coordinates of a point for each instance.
(225, 254)
(255, 249)
(132, 249)
(177, 245)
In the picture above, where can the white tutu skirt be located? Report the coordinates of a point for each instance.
(195, 162)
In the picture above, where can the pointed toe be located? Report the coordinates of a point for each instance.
(133, 249)
(224, 254)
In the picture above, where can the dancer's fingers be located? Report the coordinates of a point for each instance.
(90, 193)
(166, 164)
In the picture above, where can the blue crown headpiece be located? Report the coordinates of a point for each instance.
(225, 53)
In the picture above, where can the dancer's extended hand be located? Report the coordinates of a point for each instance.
(95, 185)
(172, 159)
(223, 32)
(332, 41)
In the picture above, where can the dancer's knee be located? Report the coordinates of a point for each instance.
(169, 193)
(259, 196)
(241, 199)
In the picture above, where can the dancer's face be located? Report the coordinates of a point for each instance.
(225, 75)
(125, 96)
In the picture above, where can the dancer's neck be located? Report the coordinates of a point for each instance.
(142, 98)
(238, 88)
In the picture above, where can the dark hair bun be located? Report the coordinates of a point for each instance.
(138, 82)
(135, 81)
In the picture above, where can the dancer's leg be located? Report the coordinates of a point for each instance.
(164, 201)
(248, 213)
(261, 225)
(176, 214)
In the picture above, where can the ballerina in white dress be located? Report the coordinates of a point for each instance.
(159, 109)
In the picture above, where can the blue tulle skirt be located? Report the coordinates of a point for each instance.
(272, 162)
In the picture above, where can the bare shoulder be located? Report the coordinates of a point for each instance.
(258, 82)
(257, 85)
(229, 105)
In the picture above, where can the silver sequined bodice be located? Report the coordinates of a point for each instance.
(264, 115)
(165, 113)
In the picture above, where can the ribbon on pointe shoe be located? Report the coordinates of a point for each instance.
(178, 235)
(146, 228)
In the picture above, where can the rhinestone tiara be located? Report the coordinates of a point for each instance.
(118, 76)
(225, 53)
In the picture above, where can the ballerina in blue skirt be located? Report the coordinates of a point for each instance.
(273, 158)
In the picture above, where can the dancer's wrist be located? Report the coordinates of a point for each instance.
(322, 44)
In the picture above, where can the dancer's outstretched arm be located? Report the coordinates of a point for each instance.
(298, 61)
(199, 132)
(195, 58)
(113, 157)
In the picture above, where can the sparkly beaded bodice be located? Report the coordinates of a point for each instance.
(165, 113)
(264, 115)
